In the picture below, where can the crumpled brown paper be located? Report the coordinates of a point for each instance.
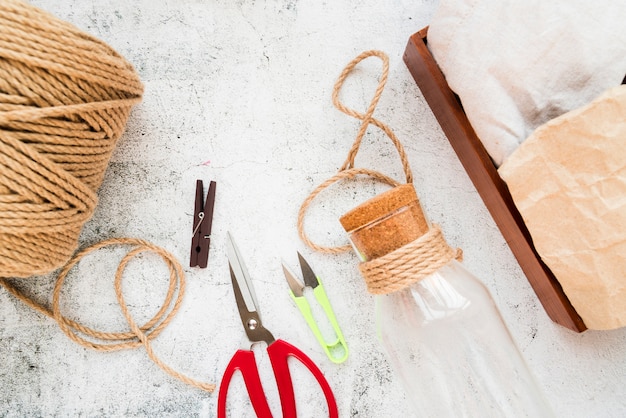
(568, 180)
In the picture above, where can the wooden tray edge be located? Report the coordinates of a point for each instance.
(447, 108)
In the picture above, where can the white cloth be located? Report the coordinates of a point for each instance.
(517, 64)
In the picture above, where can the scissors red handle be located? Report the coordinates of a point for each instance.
(279, 352)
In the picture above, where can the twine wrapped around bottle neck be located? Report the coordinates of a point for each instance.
(409, 264)
(403, 266)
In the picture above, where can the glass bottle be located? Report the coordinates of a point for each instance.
(443, 334)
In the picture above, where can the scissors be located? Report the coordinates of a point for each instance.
(337, 350)
(279, 352)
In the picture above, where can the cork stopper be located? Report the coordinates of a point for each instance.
(385, 222)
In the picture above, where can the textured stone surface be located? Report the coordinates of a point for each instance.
(239, 92)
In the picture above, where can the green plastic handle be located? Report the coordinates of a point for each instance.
(337, 351)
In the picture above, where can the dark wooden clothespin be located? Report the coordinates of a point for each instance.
(202, 221)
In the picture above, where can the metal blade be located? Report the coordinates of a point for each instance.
(240, 274)
(245, 297)
(295, 285)
(307, 273)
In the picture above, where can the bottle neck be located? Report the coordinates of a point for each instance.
(395, 242)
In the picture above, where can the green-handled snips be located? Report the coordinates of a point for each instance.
(337, 351)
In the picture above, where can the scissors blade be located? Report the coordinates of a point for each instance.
(310, 279)
(297, 288)
(245, 297)
(240, 276)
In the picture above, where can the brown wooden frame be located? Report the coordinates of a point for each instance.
(447, 108)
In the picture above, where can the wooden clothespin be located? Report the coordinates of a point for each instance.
(202, 221)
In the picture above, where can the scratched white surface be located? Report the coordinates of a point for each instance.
(239, 92)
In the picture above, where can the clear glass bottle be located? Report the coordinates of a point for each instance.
(443, 334)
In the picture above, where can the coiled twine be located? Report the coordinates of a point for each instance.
(65, 98)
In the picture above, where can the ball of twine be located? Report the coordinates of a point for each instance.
(65, 98)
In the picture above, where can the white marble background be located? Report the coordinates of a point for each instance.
(239, 92)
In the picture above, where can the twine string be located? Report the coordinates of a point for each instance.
(347, 170)
(65, 97)
(409, 264)
(406, 265)
(367, 118)
(139, 336)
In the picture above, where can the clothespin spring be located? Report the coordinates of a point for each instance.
(201, 217)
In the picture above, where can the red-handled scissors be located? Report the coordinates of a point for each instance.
(279, 352)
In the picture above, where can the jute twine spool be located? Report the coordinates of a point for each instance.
(65, 98)
(399, 264)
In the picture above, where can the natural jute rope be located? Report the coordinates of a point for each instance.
(64, 101)
(406, 265)
(65, 98)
